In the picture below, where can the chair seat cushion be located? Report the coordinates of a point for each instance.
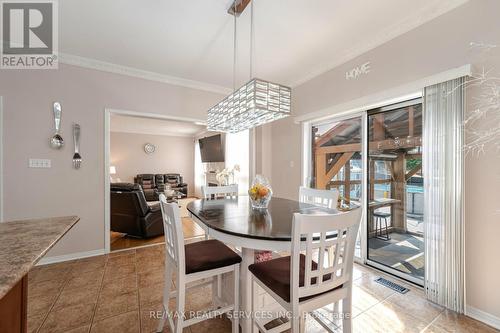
(275, 274)
(207, 255)
(382, 214)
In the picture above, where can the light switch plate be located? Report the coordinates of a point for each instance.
(39, 163)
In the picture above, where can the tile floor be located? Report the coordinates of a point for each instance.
(116, 292)
(120, 241)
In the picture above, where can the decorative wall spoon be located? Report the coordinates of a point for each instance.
(57, 141)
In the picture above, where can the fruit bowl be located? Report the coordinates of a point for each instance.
(260, 192)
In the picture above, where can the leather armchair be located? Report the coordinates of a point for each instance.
(175, 181)
(147, 181)
(130, 213)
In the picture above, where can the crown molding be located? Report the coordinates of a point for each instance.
(74, 60)
(139, 132)
(397, 29)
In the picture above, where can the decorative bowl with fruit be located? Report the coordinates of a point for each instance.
(260, 192)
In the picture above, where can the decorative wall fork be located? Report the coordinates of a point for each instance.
(77, 159)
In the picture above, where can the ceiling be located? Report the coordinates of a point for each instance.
(154, 126)
(192, 40)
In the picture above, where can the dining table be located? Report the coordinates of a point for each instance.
(233, 221)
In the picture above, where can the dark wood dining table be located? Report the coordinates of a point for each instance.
(233, 221)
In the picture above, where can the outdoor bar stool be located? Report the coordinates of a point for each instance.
(378, 225)
(202, 262)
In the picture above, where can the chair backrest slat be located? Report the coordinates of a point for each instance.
(172, 228)
(323, 198)
(214, 192)
(317, 234)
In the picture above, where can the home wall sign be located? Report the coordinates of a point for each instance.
(358, 71)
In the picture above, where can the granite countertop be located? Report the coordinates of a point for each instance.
(24, 243)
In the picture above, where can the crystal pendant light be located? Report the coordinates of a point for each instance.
(255, 103)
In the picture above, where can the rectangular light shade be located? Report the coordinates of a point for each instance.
(255, 103)
(112, 170)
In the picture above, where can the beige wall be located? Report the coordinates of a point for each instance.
(435, 47)
(174, 154)
(84, 94)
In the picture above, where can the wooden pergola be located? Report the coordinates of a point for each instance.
(391, 140)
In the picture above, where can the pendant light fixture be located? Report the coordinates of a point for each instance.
(255, 103)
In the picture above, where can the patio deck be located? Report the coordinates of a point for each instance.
(404, 252)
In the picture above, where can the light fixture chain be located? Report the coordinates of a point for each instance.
(234, 48)
(251, 38)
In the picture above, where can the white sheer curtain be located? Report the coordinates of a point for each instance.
(443, 171)
(199, 171)
(238, 153)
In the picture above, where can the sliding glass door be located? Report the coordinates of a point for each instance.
(336, 161)
(395, 190)
(374, 160)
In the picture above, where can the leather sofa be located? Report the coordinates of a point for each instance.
(176, 183)
(148, 184)
(131, 214)
(154, 184)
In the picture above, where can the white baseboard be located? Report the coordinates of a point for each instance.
(72, 256)
(482, 316)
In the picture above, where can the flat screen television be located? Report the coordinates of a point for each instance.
(211, 149)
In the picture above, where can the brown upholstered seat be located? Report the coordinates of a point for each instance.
(209, 254)
(275, 274)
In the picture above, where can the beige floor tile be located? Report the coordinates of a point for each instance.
(150, 250)
(76, 296)
(386, 317)
(215, 325)
(126, 259)
(121, 253)
(94, 259)
(357, 273)
(118, 272)
(45, 288)
(151, 295)
(313, 326)
(199, 299)
(109, 306)
(60, 273)
(145, 266)
(364, 298)
(34, 322)
(118, 286)
(123, 323)
(145, 280)
(414, 304)
(81, 329)
(452, 322)
(150, 317)
(68, 318)
(434, 329)
(87, 266)
(40, 305)
(85, 279)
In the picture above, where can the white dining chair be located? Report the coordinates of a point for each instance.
(302, 283)
(323, 198)
(215, 192)
(203, 262)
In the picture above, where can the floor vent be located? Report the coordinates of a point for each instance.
(394, 286)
